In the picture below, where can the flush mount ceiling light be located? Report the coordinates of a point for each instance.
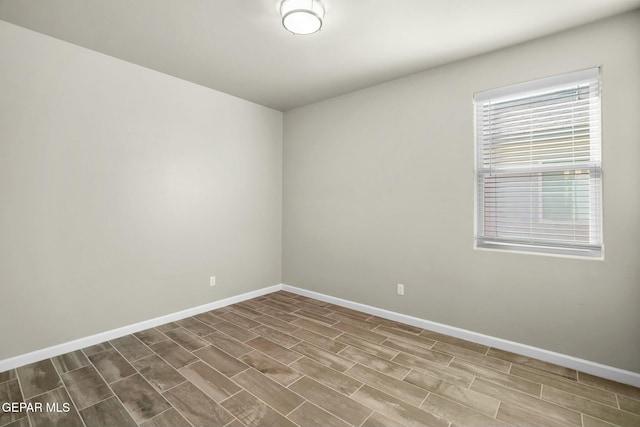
(302, 16)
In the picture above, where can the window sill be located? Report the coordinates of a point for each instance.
(587, 255)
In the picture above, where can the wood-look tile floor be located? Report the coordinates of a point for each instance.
(288, 360)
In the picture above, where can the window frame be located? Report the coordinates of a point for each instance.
(531, 88)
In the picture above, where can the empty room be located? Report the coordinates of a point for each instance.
(319, 213)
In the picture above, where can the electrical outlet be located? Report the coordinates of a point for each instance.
(212, 281)
(400, 289)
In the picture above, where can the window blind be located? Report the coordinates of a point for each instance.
(538, 166)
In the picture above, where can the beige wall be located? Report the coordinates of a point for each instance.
(122, 190)
(379, 190)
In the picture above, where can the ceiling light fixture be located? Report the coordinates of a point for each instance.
(302, 16)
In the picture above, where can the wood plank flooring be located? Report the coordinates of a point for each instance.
(287, 360)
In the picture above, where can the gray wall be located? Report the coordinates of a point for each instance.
(122, 190)
(379, 190)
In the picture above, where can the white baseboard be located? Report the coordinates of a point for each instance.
(593, 368)
(74, 345)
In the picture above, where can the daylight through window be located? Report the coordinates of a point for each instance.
(538, 166)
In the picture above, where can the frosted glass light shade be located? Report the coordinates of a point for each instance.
(302, 16)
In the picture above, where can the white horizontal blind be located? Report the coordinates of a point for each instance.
(538, 165)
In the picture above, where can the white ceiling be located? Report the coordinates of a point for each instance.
(240, 47)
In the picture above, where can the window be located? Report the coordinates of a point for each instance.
(538, 166)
